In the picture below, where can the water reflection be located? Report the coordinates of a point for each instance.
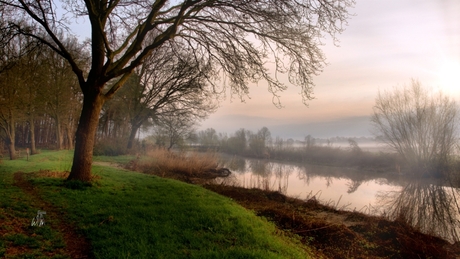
(431, 208)
(353, 185)
(234, 163)
(343, 188)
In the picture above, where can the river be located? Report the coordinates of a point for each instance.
(432, 208)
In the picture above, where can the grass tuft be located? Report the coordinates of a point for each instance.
(181, 166)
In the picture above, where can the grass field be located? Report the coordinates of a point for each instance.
(126, 215)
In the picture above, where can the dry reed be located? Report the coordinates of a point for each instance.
(177, 165)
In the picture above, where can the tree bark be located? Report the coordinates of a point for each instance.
(59, 133)
(33, 148)
(85, 137)
(11, 135)
(11, 148)
(69, 137)
(132, 136)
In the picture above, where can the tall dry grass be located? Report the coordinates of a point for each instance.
(178, 165)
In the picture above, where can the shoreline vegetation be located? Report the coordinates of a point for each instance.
(303, 228)
(331, 232)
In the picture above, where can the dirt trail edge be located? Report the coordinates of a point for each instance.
(77, 246)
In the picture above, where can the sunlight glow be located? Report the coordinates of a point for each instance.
(449, 77)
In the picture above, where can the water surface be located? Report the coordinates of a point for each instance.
(432, 208)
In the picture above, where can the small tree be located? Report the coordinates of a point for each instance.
(237, 143)
(173, 129)
(208, 138)
(258, 142)
(419, 125)
(309, 142)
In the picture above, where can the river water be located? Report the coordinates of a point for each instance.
(433, 208)
(343, 188)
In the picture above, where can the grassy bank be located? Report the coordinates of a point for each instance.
(341, 234)
(127, 215)
(333, 233)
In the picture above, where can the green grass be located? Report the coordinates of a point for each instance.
(17, 210)
(124, 159)
(132, 215)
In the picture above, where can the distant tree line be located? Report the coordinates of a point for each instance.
(261, 144)
(39, 97)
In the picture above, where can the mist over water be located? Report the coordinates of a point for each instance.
(430, 207)
(344, 188)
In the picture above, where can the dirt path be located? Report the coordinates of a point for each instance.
(76, 245)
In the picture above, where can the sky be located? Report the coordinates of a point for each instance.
(386, 44)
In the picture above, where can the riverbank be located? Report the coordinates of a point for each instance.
(332, 233)
(125, 214)
(128, 214)
(340, 234)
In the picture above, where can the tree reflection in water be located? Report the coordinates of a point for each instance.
(430, 208)
(235, 163)
(263, 174)
(353, 185)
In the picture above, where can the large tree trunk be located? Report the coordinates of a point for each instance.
(11, 148)
(69, 137)
(11, 136)
(59, 133)
(132, 136)
(85, 137)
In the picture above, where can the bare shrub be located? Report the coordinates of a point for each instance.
(182, 166)
(419, 125)
(110, 147)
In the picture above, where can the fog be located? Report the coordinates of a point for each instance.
(384, 45)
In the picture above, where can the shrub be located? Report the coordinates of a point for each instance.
(110, 147)
(419, 125)
(178, 165)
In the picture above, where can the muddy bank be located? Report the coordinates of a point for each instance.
(340, 234)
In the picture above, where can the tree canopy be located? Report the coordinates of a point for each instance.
(243, 41)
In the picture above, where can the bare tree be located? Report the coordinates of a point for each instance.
(236, 144)
(208, 138)
(173, 129)
(259, 141)
(61, 95)
(12, 81)
(169, 83)
(419, 125)
(31, 104)
(237, 37)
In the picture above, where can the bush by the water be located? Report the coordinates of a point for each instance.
(179, 165)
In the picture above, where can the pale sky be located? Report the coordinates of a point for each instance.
(386, 44)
